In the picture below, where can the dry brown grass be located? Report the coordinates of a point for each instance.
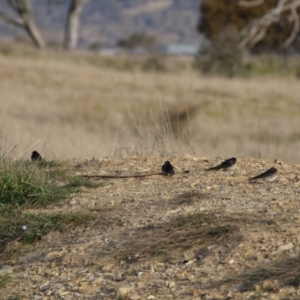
(82, 106)
(284, 272)
(169, 239)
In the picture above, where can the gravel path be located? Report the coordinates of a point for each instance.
(117, 256)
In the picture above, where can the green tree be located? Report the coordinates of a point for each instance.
(222, 56)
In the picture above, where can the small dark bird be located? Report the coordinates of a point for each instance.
(269, 175)
(227, 165)
(167, 168)
(35, 156)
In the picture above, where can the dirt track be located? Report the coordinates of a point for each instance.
(146, 243)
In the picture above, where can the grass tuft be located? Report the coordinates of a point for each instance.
(26, 184)
(47, 163)
(4, 280)
(166, 239)
(23, 182)
(29, 228)
(285, 272)
(76, 182)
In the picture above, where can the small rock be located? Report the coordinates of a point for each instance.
(210, 247)
(140, 274)
(283, 248)
(267, 285)
(190, 262)
(30, 258)
(171, 284)
(117, 274)
(215, 187)
(151, 297)
(192, 278)
(124, 290)
(231, 261)
(44, 286)
(107, 267)
(6, 269)
(216, 296)
(189, 209)
(98, 280)
(62, 293)
(189, 255)
(198, 292)
(283, 180)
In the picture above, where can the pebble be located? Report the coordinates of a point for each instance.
(108, 267)
(267, 285)
(124, 290)
(198, 292)
(98, 280)
(6, 269)
(189, 255)
(170, 284)
(44, 286)
(283, 248)
(117, 274)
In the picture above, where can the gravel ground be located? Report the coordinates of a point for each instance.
(137, 248)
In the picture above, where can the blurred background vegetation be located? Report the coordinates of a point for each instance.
(227, 38)
(93, 78)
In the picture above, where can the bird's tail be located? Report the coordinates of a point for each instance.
(214, 168)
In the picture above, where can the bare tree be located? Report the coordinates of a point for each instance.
(24, 18)
(257, 29)
(73, 22)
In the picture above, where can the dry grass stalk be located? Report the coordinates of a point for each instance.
(170, 238)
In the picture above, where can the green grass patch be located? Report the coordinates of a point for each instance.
(273, 64)
(29, 228)
(47, 163)
(26, 184)
(78, 181)
(23, 182)
(4, 280)
(37, 183)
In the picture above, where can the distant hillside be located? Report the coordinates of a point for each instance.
(171, 21)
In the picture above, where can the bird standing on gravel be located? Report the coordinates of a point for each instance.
(269, 175)
(227, 165)
(167, 168)
(35, 156)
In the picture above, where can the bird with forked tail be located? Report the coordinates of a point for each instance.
(226, 165)
(269, 175)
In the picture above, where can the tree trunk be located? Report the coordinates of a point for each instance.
(31, 27)
(35, 35)
(26, 20)
(72, 26)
